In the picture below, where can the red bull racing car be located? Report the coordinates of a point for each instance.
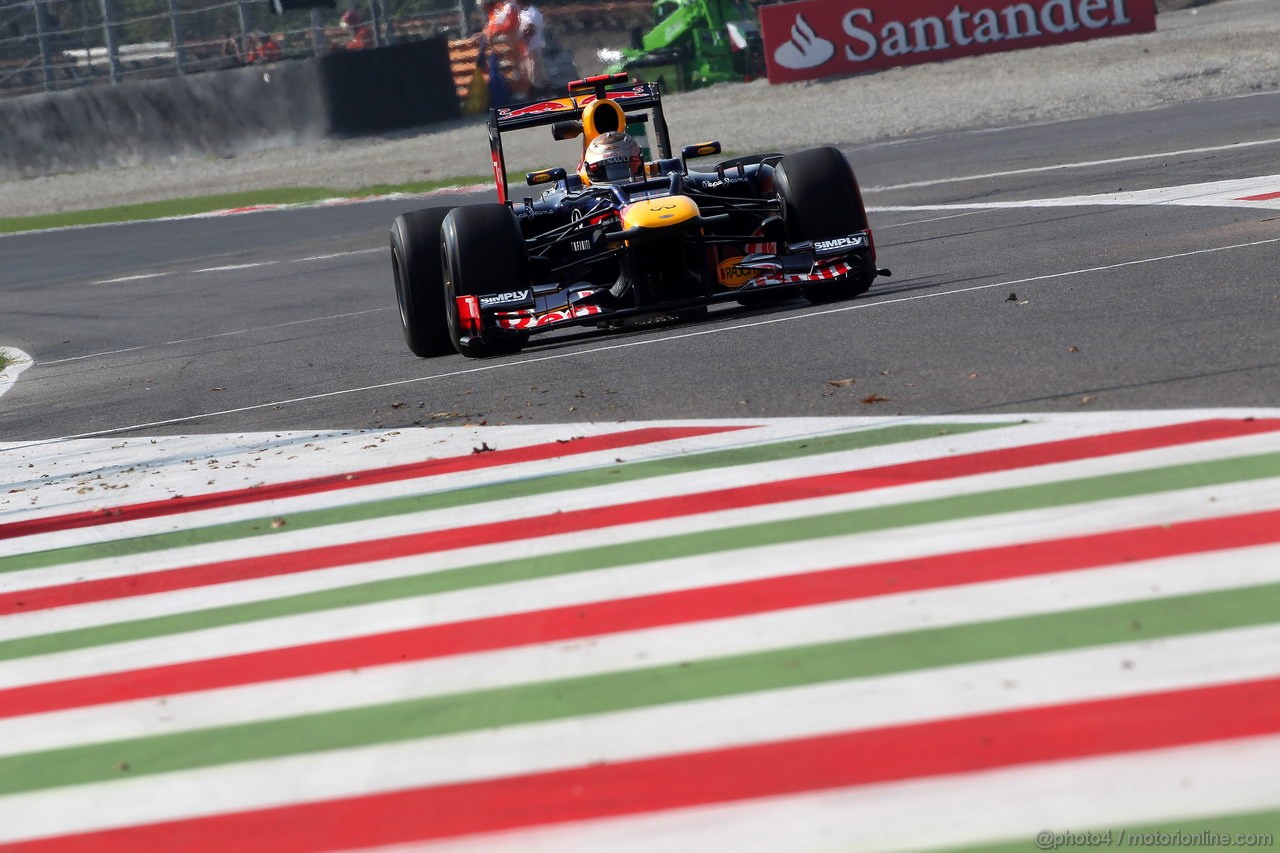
(625, 239)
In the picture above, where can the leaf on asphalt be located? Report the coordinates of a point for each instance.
(1012, 297)
(841, 383)
(1073, 349)
(874, 398)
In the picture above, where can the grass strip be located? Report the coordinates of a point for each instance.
(226, 201)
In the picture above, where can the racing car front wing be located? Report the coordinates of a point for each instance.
(775, 271)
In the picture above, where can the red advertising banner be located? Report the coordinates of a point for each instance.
(820, 38)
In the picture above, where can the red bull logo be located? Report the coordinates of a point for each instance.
(534, 109)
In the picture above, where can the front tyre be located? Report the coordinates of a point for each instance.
(415, 263)
(483, 252)
(821, 200)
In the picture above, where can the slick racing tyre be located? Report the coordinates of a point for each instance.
(821, 200)
(415, 262)
(483, 252)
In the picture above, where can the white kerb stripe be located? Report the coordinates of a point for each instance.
(401, 614)
(1014, 804)
(664, 730)
(1150, 665)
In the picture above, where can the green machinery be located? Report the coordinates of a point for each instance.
(695, 43)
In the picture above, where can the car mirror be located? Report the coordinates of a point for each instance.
(544, 176)
(702, 149)
(562, 130)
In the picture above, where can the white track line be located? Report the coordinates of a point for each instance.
(664, 339)
(1250, 193)
(215, 336)
(1082, 164)
(235, 267)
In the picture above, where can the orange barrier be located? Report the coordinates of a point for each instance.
(464, 59)
(464, 55)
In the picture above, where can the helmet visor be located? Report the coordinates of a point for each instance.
(610, 171)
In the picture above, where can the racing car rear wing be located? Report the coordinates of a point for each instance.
(630, 95)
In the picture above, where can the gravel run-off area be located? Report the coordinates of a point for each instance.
(1199, 50)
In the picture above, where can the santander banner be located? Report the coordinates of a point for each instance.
(820, 38)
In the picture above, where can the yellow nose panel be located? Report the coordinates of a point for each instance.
(659, 212)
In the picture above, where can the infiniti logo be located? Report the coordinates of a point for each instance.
(806, 49)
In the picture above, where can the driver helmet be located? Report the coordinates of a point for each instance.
(612, 158)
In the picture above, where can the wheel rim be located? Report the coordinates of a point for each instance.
(401, 295)
(450, 305)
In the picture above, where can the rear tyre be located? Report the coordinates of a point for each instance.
(483, 252)
(821, 199)
(415, 263)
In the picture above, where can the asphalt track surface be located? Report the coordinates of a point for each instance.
(287, 321)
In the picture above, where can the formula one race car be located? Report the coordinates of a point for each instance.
(624, 241)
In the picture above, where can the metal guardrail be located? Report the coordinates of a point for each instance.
(51, 45)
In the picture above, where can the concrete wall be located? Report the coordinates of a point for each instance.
(224, 112)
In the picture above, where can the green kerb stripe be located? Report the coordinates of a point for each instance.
(695, 680)
(1039, 496)
(531, 487)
